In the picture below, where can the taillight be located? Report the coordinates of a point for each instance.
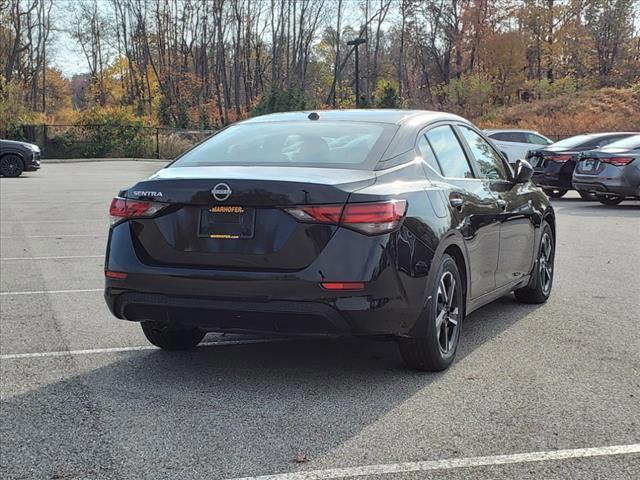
(618, 161)
(122, 208)
(115, 275)
(560, 158)
(369, 218)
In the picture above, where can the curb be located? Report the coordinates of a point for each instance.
(90, 160)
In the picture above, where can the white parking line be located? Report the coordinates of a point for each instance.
(15, 356)
(41, 292)
(62, 257)
(105, 221)
(451, 463)
(51, 236)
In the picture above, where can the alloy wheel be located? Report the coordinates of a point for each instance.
(9, 167)
(546, 263)
(447, 313)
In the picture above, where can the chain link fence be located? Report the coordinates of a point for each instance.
(107, 141)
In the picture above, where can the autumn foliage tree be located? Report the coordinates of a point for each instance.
(206, 63)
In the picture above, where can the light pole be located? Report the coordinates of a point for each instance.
(354, 43)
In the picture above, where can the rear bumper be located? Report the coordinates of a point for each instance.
(274, 302)
(555, 175)
(623, 182)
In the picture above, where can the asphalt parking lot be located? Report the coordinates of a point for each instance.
(536, 391)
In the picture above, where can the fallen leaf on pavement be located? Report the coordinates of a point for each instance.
(301, 458)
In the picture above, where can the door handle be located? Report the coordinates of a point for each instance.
(502, 204)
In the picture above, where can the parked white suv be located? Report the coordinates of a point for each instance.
(515, 144)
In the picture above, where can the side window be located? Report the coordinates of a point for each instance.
(449, 152)
(520, 137)
(488, 160)
(508, 137)
(427, 154)
(501, 137)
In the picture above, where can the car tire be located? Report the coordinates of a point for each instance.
(11, 166)
(609, 200)
(555, 192)
(540, 290)
(436, 350)
(587, 196)
(160, 335)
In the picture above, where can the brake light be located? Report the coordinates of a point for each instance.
(618, 161)
(560, 158)
(122, 208)
(115, 275)
(369, 218)
(317, 213)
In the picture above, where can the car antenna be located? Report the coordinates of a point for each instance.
(313, 116)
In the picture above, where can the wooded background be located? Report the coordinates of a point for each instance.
(206, 63)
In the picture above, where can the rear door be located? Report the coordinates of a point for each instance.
(475, 209)
(516, 215)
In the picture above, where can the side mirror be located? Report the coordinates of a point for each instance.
(523, 171)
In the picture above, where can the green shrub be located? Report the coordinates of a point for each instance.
(278, 100)
(469, 95)
(386, 95)
(112, 132)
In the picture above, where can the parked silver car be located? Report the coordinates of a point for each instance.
(612, 173)
(514, 144)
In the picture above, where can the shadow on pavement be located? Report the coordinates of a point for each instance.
(214, 412)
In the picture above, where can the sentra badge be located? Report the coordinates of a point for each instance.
(146, 193)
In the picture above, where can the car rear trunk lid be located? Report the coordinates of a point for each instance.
(232, 217)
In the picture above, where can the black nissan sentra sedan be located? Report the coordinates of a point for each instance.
(381, 223)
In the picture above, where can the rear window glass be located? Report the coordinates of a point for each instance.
(449, 152)
(312, 143)
(574, 141)
(509, 137)
(630, 143)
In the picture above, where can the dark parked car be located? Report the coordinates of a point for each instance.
(553, 165)
(18, 157)
(611, 173)
(382, 223)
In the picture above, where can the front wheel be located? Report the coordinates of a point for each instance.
(539, 291)
(160, 335)
(11, 166)
(437, 349)
(609, 200)
(555, 192)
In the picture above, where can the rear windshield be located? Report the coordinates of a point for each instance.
(314, 143)
(573, 141)
(629, 143)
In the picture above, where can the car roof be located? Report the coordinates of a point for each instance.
(391, 116)
(604, 134)
(507, 130)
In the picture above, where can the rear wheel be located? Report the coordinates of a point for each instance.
(437, 349)
(543, 275)
(11, 166)
(587, 196)
(162, 336)
(555, 192)
(609, 199)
